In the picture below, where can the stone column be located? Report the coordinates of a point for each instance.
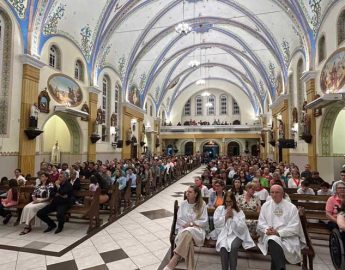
(29, 95)
(93, 101)
(309, 79)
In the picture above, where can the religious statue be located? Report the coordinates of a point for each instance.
(55, 157)
(34, 111)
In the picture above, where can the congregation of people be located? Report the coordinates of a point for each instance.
(55, 186)
(231, 186)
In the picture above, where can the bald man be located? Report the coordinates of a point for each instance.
(280, 230)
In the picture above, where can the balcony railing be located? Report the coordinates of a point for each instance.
(212, 128)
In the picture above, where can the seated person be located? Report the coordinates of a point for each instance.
(280, 230)
(10, 200)
(260, 192)
(217, 196)
(201, 186)
(237, 188)
(40, 198)
(324, 189)
(192, 221)
(305, 189)
(333, 205)
(103, 198)
(230, 231)
(61, 201)
(341, 221)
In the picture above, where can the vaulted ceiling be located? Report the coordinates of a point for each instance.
(245, 42)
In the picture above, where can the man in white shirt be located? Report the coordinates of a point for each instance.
(204, 190)
(280, 230)
(260, 192)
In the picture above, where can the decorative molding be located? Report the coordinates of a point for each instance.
(19, 6)
(27, 59)
(51, 23)
(94, 90)
(280, 104)
(309, 75)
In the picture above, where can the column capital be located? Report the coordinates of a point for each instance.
(94, 90)
(308, 75)
(32, 61)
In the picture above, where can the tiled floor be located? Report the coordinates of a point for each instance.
(138, 240)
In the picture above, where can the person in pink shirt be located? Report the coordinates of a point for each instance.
(333, 205)
(11, 199)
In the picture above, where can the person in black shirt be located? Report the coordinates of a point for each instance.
(61, 201)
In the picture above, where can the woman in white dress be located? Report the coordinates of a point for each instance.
(40, 198)
(192, 221)
(230, 231)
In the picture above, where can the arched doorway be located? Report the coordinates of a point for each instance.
(64, 130)
(233, 149)
(255, 150)
(210, 150)
(236, 122)
(188, 148)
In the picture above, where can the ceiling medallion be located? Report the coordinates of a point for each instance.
(183, 28)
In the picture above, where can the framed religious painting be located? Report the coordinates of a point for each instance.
(43, 101)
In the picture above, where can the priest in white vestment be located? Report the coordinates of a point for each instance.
(280, 230)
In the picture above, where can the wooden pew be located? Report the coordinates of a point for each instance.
(314, 207)
(90, 209)
(308, 252)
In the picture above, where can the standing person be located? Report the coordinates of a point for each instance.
(230, 231)
(280, 230)
(40, 198)
(10, 200)
(61, 202)
(191, 223)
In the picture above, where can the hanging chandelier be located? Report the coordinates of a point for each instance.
(200, 82)
(193, 63)
(183, 28)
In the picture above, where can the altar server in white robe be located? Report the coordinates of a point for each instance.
(280, 230)
(192, 221)
(230, 231)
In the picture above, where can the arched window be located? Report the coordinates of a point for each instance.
(55, 57)
(341, 27)
(235, 107)
(105, 100)
(187, 108)
(322, 48)
(5, 69)
(79, 70)
(223, 104)
(198, 105)
(211, 108)
(300, 88)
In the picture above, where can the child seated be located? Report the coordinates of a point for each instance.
(10, 200)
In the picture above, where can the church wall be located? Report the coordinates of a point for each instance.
(69, 55)
(9, 143)
(299, 155)
(149, 121)
(104, 148)
(246, 115)
(338, 134)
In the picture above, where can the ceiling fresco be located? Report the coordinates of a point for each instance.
(232, 40)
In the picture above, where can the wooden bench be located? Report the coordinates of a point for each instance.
(308, 252)
(89, 210)
(314, 207)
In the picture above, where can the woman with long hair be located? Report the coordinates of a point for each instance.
(230, 231)
(237, 188)
(191, 223)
